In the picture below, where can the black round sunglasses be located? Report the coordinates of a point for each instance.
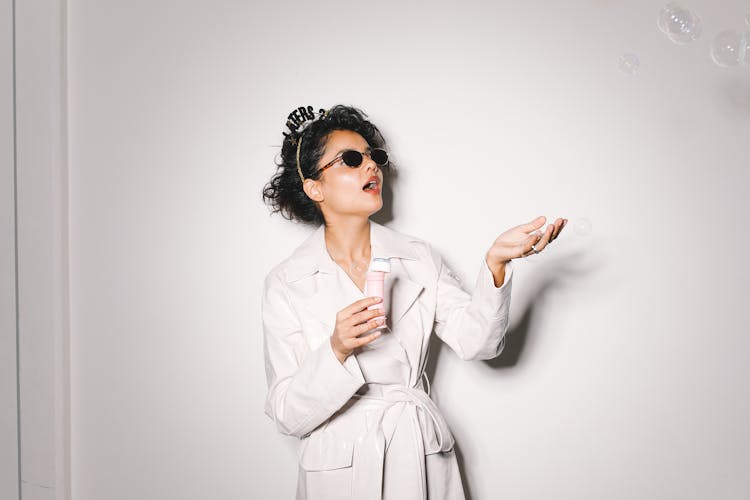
(354, 159)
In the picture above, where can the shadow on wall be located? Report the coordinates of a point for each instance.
(385, 214)
(559, 274)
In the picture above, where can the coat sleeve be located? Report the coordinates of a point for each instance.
(305, 386)
(473, 325)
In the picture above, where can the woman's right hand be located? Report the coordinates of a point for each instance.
(351, 322)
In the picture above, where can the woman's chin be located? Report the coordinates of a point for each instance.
(378, 206)
(373, 205)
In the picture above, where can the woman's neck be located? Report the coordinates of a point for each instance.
(348, 240)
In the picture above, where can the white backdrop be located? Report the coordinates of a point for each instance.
(625, 374)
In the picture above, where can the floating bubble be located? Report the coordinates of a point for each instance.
(582, 226)
(729, 48)
(629, 64)
(680, 24)
(747, 20)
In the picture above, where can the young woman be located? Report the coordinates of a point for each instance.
(346, 381)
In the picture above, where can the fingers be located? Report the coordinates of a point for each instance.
(363, 316)
(359, 342)
(352, 338)
(539, 222)
(559, 224)
(533, 225)
(360, 320)
(357, 306)
(533, 240)
(545, 238)
(353, 321)
(540, 240)
(366, 327)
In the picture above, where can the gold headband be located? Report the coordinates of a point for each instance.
(299, 169)
(298, 127)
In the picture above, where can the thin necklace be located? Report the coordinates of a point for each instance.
(359, 268)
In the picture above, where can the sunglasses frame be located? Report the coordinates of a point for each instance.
(367, 153)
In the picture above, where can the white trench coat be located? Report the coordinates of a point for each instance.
(368, 429)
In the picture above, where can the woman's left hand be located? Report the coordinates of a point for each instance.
(518, 241)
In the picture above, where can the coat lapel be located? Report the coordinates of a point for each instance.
(315, 280)
(311, 275)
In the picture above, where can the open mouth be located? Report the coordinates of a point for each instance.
(371, 186)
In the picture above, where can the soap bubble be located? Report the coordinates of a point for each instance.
(582, 226)
(680, 24)
(629, 64)
(729, 48)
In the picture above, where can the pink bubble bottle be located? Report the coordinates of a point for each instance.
(375, 284)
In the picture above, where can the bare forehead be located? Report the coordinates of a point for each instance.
(339, 140)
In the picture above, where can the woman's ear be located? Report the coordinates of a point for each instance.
(312, 190)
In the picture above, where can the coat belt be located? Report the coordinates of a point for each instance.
(369, 451)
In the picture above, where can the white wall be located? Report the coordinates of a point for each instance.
(9, 463)
(625, 375)
(34, 420)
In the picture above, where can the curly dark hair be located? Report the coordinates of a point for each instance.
(284, 191)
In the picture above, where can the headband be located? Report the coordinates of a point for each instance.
(296, 123)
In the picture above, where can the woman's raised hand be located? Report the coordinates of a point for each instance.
(351, 322)
(518, 241)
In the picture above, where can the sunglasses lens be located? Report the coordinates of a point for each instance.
(352, 158)
(379, 156)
